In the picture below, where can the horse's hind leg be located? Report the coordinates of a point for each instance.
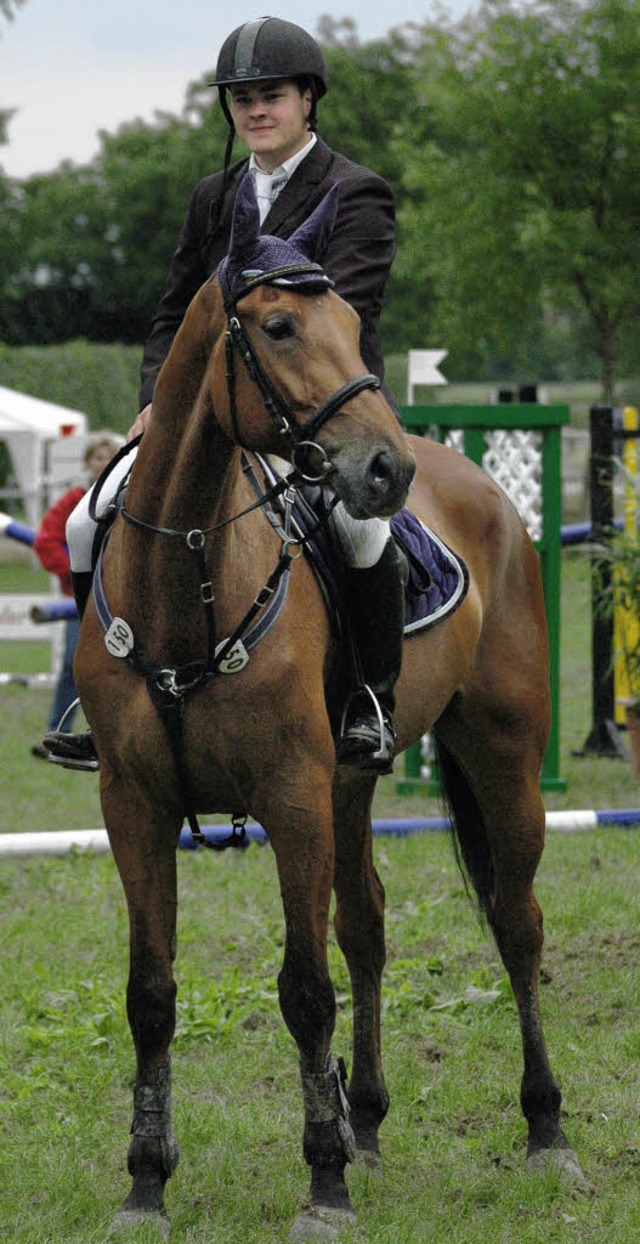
(145, 855)
(359, 927)
(500, 823)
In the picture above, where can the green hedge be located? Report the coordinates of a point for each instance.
(103, 380)
(100, 380)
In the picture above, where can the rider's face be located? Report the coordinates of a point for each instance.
(271, 119)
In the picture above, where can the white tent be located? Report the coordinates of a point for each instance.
(44, 442)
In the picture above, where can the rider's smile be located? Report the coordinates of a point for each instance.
(270, 118)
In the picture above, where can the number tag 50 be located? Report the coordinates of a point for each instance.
(236, 658)
(119, 638)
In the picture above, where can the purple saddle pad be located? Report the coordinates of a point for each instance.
(438, 578)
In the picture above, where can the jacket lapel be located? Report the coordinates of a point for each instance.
(292, 207)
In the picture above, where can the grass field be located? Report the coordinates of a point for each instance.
(454, 1138)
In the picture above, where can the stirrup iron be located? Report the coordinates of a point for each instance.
(383, 754)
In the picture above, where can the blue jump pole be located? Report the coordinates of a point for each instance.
(16, 531)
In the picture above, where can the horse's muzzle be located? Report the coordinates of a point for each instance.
(377, 489)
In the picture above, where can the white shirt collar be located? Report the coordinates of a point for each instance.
(287, 167)
(265, 183)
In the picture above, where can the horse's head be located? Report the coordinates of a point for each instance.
(287, 375)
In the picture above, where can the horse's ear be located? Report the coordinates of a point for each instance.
(313, 236)
(245, 228)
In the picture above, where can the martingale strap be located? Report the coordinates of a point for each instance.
(120, 641)
(167, 687)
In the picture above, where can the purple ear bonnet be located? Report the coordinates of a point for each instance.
(251, 253)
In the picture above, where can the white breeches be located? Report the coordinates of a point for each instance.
(362, 540)
(81, 528)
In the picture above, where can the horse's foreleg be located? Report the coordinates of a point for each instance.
(360, 932)
(148, 873)
(304, 855)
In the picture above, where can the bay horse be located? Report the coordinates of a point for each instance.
(183, 575)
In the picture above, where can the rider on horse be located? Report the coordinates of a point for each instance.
(270, 76)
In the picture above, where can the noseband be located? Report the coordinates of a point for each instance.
(236, 337)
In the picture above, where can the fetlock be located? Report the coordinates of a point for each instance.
(328, 1136)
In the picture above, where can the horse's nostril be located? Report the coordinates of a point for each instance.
(381, 468)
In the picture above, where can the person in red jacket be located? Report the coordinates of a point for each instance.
(50, 547)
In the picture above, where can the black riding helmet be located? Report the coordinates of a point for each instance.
(270, 48)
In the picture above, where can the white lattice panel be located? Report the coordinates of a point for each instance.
(514, 461)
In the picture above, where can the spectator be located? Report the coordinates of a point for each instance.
(51, 549)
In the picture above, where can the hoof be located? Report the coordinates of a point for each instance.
(369, 1160)
(130, 1219)
(565, 1162)
(320, 1222)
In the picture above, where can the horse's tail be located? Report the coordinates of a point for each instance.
(469, 835)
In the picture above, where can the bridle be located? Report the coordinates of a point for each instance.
(236, 338)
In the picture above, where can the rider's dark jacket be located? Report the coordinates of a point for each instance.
(358, 258)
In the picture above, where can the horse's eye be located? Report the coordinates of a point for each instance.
(280, 327)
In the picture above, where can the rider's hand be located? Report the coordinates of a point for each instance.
(141, 423)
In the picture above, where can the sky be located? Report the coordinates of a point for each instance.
(71, 68)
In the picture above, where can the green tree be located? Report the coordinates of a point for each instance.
(8, 8)
(51, 221)
(372, 90)
(528, 195)
(373, 95)
(90, 245)
(149, 172)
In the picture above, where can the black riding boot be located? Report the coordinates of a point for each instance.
(74, 751)
(375, 601)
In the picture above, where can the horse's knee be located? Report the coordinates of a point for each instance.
(308, 1005)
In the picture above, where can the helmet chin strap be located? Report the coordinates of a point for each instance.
(227, 161)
